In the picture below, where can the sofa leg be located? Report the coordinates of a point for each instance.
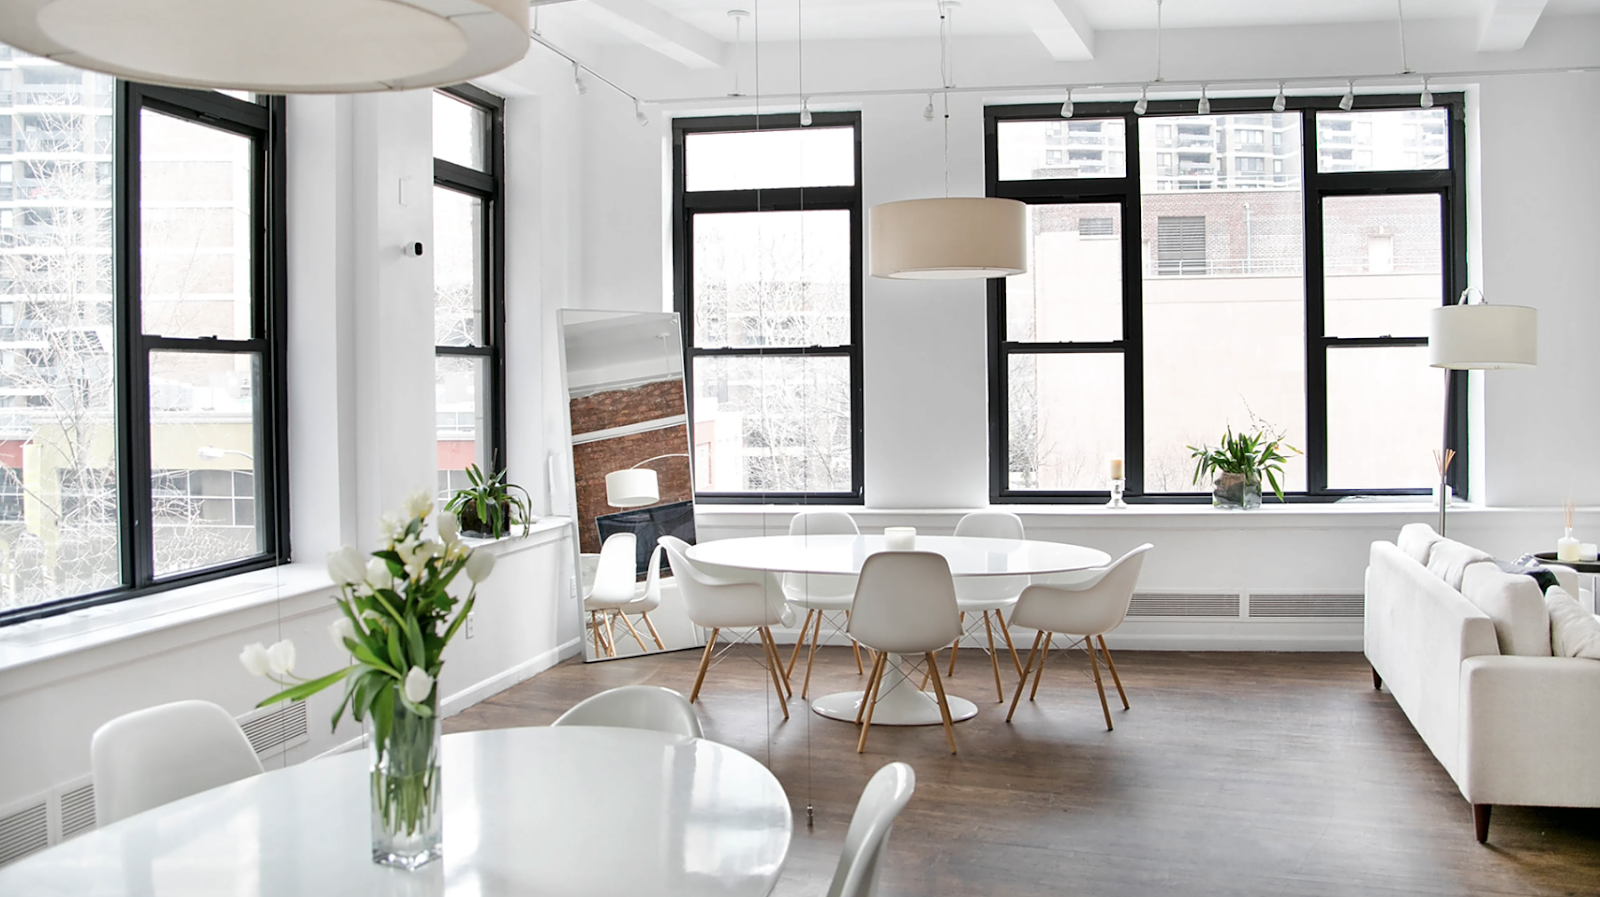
(1377, 680)
(1480, 821)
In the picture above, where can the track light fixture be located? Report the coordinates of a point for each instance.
(1427, 95)
(638, 114)
(1205, 102)
(927, 111)
(1066, 108)
(805, 112)
(1349, 98)
(1143, 105)
(1279, 102)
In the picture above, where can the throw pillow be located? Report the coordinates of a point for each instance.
(1449, 559)
(1416, 540)
(1573, 631)
(1514, 604)
(1528, 565)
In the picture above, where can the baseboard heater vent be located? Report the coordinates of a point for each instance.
(77, 811)
(1266, 605)
(276, 729)
(1179, 605)
(23, 832)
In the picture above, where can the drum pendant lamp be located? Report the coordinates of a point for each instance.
(275, 46)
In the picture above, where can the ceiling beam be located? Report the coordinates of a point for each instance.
(1505, 24)
(659, 30)
(1061, 26)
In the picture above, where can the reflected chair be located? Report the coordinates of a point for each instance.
(635, 707)
(861, 861)
(719, 602)
(646, 599)
(819, 594)
(905, 604)
(615, 586)
(987, 596)
(1087, 610)
(157, 755)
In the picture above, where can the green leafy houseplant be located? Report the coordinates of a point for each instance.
(1240, 463)
(491, 506)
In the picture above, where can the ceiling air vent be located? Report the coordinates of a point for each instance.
(1182, 605)
(77, 811)
(276, 729)
(1267, 605)
(23, 832)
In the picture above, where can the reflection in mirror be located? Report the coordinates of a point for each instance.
(633, 479)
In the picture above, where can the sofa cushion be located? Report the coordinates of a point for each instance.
(1574, 632)
(1449, 559)
(1513, 604)
(1416, 540)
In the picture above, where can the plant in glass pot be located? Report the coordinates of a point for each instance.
(491, 507)
(1239, 463)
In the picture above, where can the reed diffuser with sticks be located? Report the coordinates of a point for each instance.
(1441, 495)
(1568, 548)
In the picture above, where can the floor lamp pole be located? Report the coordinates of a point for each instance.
(1444, 455)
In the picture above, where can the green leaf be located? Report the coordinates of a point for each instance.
(383, 715)
(370, 658)
(397, 657)
(306, 689)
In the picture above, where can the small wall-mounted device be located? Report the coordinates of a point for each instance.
(414, 249)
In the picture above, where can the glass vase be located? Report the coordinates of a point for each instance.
(406, 809)
(1236, 491)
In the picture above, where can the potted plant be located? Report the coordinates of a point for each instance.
(490, 507)
(1239, 463)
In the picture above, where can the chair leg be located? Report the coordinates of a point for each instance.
(853, 643)
(1044, 658)
(870, 696)
(994, 660)
(777, 662)
(705, 662)
(944, 704)
(775, 667)
(1005, 631)
(811, 658)
(660, 645)
(866, 695)
(799, 642)
(1480, 821)
(1106, 653)
(611, 635)
(955, 647)
(594, 629)
(1094, 662)
(1023, 682)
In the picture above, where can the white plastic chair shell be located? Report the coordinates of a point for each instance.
(981, 593)
(157, 755)
(861, 861)
(821, 591)
(636, 707)
(905, 603)
(1092, 608)
(615, 579)
(724, 603)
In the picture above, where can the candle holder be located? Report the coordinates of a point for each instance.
(1116, 501)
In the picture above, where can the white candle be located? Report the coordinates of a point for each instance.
(1116, 468)
(1588, 552)
(900, 538)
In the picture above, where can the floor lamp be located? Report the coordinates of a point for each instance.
(1481, 337)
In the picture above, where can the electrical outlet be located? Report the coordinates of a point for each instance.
(472, 617)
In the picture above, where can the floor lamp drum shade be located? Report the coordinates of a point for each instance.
(948, 239)
(632, 488)
(275, 46)
(1483, 337)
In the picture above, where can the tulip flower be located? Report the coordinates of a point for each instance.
(449, 528)
(340, 629)
(418, 685)
(345, 566)
(419, 504)
(378, 575)
(280, 658)
(254, 658)
(479, 565)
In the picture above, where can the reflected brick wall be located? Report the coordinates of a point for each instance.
(620, 407)
(591, 461)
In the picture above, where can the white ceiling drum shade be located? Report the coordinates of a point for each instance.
(1483, 337)
(275, 46)
(632, 488)
(948, 239)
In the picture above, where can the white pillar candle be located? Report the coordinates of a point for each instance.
(1588, 552)
(1116, 468)
(900, 538)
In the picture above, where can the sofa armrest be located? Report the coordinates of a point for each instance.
(1530, 731)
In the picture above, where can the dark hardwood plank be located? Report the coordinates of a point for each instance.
(1249, 774)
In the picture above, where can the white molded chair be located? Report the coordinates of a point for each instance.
(989, 595)
(1087, 610)
(861, 861)
(615, 585)
(157, 755)
(718, 603)
(635, 707)
(819, 594)
(905, 604)
(646, 599)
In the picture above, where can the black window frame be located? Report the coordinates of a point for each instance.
(686, 204)
(263, 122)
(489, 187)
(1448, 183)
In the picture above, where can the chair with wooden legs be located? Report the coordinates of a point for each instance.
(905, 604)
(615, 585)
(719, 602)
(820, 595)
(1086, 610)
(861, 861)
(646, 599)
(985, 598)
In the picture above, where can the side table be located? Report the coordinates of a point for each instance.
(1589, 569)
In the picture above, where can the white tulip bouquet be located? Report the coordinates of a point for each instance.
(396, 619)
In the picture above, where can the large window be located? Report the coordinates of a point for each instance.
(767, 240)
(468, 282)
(1245, 268)
(141, 350)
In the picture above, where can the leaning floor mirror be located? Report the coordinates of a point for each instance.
(633, 477)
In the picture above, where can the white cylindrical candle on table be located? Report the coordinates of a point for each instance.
(1116, 468)
(900, 538)
(1588, 552)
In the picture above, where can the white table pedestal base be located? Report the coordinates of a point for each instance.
(899, 703)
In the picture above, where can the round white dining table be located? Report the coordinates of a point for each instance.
(531, 811)
(900, 703)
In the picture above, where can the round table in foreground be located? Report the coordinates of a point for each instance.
(900, 701)
(537, 811)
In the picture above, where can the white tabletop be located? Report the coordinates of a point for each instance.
(547, 811)
(967, 555)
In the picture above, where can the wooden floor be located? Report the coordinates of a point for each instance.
(1252, 774)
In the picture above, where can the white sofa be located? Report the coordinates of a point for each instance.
(1465, 649)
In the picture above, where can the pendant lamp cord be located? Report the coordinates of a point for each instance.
(946, 77)
(1158, 40)
(1400, 18)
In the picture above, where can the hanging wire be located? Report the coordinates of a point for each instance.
(1158, 40)
(1400, 18)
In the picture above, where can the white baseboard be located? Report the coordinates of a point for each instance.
(501, 681)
